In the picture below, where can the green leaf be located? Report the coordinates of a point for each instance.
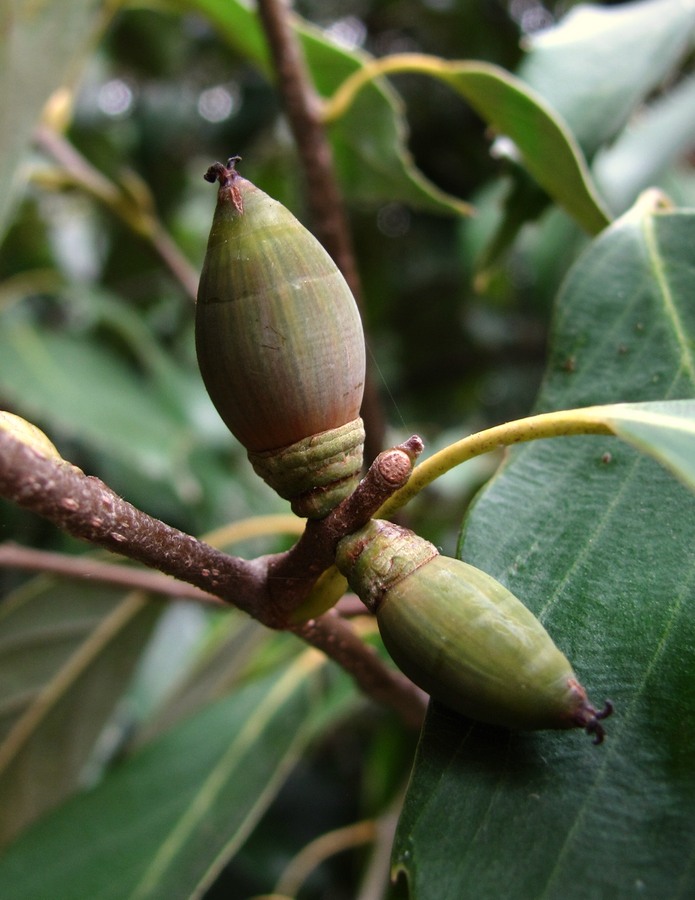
(665, 431)
(40, 44)
(598, 64)
(67, 381)
(597, 540)
(231, 645)
(591, 69)
(547, 148)
(142, 429)
(369, 144)
(67, 652)
(102, 380)
(163, 823)
(662, 134)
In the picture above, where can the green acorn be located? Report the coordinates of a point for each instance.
(280, 347)
(463, 637)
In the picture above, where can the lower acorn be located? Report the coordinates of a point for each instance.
(462, 636)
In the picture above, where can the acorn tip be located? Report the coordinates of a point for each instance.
(590, 720)
(222, 173)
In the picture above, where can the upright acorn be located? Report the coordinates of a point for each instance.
(280, 347)
(463, 637)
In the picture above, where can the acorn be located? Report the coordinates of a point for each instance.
(280, 347)
(29, 434)
(462, 636)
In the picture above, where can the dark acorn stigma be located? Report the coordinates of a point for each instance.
(223, 174)
(590, 720)
(227, 175)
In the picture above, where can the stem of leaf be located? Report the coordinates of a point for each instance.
(336, 107)
(321, 849)
(255, 527)
(131, 202)
(564, 423)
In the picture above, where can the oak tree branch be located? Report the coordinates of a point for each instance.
(268, 588)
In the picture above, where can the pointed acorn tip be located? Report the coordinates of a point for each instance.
(223, 174)
(228, 178)
(593, 726)
(585, 716)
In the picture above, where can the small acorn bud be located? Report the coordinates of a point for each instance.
(280, 347)
(462, 636)
(28, 434)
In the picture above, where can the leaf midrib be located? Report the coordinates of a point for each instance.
(669, 304)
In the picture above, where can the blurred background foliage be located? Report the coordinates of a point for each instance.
(161, 96)
(96, 329)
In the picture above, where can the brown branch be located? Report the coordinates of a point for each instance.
(336, 638)
(292, 575)
(350, 606)
(86, 508)
(269, 588)
(302, 106)
(176, 262)
(86, 568)
(324, 199)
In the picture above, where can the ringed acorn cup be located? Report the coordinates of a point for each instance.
(280, 347)
(462, 636)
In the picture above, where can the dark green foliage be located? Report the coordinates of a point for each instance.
(471, 321)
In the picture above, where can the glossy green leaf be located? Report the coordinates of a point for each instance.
(596, 68)
(547, 147)
(598, 540)
(599, 62)
(665, 431)
(71, 384)
(140, 430)
(369, 133)
(369, 144)
(67, 653)
(40, 44)
(662, 134)
(108, 384)
(231, 645)
(521, 116)
(163, 823)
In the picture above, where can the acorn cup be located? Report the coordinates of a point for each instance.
(463, 637)
(280, 347)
